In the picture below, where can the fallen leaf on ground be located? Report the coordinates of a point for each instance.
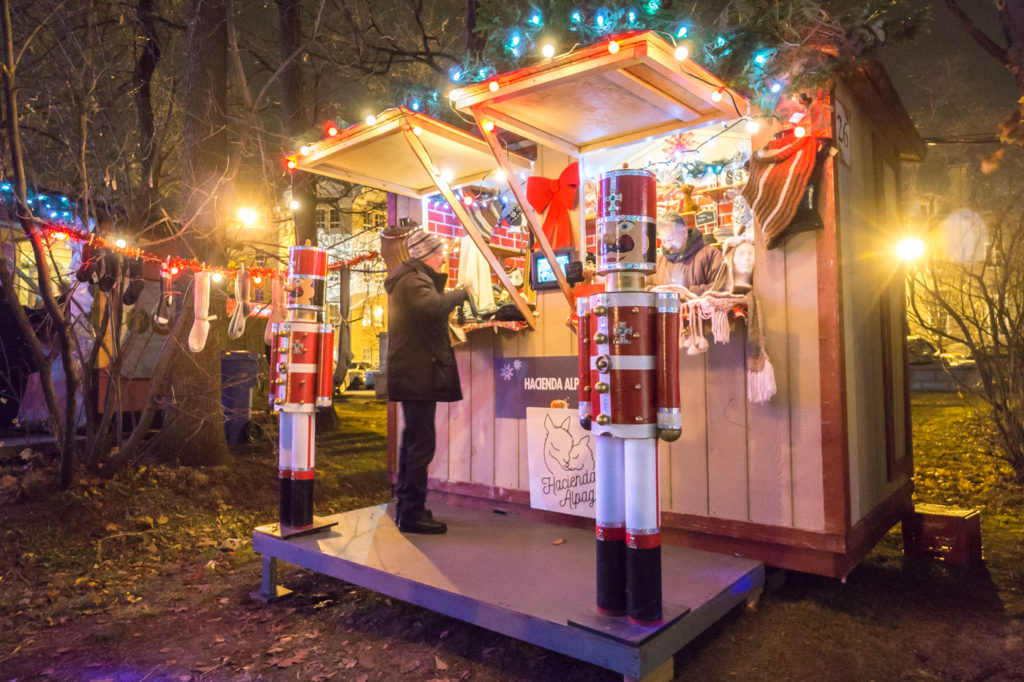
(559, 541)
(409, 666)
(439, 664)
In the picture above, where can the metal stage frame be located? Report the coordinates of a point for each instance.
(522, 578)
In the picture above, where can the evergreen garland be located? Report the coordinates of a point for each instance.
(762, 48)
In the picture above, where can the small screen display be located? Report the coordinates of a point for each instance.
(541, 274)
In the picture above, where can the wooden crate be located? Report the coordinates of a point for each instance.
(950, 534)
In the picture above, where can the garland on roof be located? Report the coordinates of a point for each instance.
(761, 48)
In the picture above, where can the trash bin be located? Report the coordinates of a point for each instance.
(239, 372)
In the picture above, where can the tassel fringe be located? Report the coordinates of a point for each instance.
(761, 383)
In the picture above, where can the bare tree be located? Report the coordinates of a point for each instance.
(62, 424)
(193, 432)
(979, 304)
(1010, 54)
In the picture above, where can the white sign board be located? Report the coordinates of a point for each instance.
(842, 132)
(561, 455)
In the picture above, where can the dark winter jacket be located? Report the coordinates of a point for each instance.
(696, 269)
(421, 362)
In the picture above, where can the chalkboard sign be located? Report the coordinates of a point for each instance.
(706, 219)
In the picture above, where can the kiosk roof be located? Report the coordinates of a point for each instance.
(594, 98)
(378, 155)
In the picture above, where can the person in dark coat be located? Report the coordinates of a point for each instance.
(421, 369)
(685, 259)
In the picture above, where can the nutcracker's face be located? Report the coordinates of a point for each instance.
(626, 217)
(626, 245)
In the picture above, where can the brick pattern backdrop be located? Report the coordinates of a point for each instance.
(441, 220)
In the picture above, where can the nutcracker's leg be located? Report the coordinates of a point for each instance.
(303, 443)
(643, 532)
(284, 468)
(611, 527)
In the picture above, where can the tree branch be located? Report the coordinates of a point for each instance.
(979, 36)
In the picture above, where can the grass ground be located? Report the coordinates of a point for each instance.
(147, 576)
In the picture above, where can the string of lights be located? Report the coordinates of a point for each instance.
(62, 233)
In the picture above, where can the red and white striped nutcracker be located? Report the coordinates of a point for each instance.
(301, 371)
(629, 395)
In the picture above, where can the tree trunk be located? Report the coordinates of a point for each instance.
(296, 114)
(142, 79)
(193, 431)
(62, 427)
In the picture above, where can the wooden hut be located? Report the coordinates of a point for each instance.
(808, 481)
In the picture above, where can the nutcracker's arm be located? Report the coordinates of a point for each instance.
(583, 359)
(670, 420)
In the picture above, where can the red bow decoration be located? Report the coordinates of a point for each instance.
(558, 197)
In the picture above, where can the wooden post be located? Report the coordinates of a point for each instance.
(424, 157)
(532, 219)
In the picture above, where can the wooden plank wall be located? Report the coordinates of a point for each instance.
(868, 266)
(746, 462)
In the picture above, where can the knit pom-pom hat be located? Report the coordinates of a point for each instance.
(423, 244)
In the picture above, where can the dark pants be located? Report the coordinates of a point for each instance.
(415, 454)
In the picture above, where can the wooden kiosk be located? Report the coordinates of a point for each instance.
(808, 481)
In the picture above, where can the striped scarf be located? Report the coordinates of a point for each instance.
(778, 178)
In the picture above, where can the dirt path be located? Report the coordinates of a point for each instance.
(148, 577)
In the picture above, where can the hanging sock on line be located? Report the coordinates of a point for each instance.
(136, 285)
(236, 327)
(277, 311)
(201, 326)
(108, 271)
(162, 316)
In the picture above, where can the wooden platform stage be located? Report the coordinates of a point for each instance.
(506, 574)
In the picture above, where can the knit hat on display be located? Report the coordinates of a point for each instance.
(423, 244)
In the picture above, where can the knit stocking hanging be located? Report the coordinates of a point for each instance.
(236, 327)
(778, 177)
(716, 306)
(201, 326)
(277, 311)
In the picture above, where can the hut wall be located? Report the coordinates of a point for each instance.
(872, 308)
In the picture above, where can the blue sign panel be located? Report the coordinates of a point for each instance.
(533, 382)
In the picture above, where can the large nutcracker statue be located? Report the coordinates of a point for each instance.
(301, 371)
(629, 395)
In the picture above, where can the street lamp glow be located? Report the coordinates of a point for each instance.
(910, 249)
(293, 204)
(248, 216)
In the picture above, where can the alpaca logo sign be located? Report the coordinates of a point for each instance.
(561, 456)
(523, 382)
